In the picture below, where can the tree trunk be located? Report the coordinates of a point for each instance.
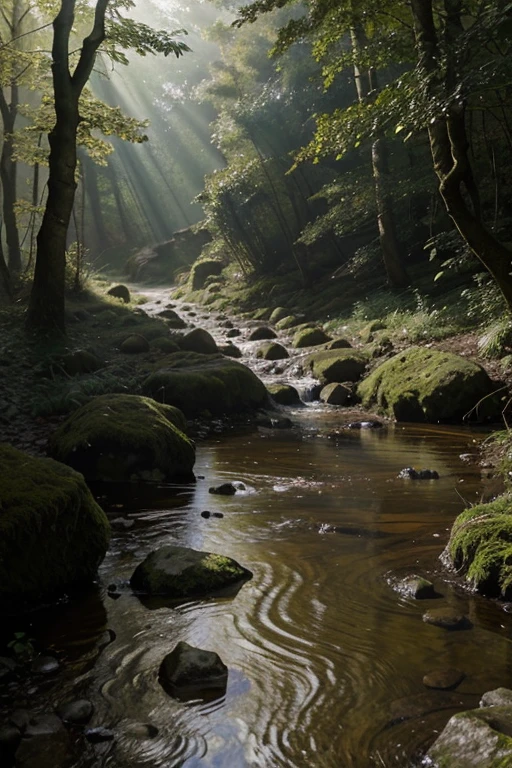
(449, 147)
(8, 179)
(46, 306)
(365, 82)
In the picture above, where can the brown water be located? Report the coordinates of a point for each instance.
(325, 657)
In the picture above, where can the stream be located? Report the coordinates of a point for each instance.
(326, 656)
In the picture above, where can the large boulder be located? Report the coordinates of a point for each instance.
(197, 383)
(52, 532)
(199, 340)
(202, 270)
(336, 365)
(124, 437)
(480, 547)
(479, 738)
(272, 351)
(428, 385)
(180, 572)
(310, 337)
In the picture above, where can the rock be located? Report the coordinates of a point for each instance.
(206, 514)
(98, 735)
(418, 474)
(367, 333)
(479, 738)
(10, 737)
(287, 322)
(180, 572)
(206, 383)
(79, 362)
(164, 344)
(120, 292)
(200, 341)
(284, 394)
(418, 587)
(230, 350)
(173, 320)
(52, 532)
(263, 313)
(423, 384)
(279, 313)
(480, 547)
(78, 711)
(121, 437)
(134, 345)
(338, 344)
(274, 421)
(121, 523)
(141, 731)
(333, 365)
(226, 489)
(446, 619)
(261, 333)
(310, 337)
(364, 425)
(45, 665)
(272, 351)
(188, 671)
(445, 678)
(45, 744)
(233, 332)
(499, 697)
(335, 394)
(20, 718)
(159, 262)
(421, 704)
(203, 269)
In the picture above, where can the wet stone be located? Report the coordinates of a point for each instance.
(446, 619)
(121, 523)
(10, 737)
(98, 735)
(187, 671)
(499, 697)
(141, 731)
(20, 718)
(45, 744)
(364, 425)
(79, 711)
(418, 474)
(225, 489)
(418, 587)
(45, 665)
(444, 678)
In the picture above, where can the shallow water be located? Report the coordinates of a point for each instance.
(325, 657)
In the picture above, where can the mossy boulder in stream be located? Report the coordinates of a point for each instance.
(478, 738)
(310, 337)
(52, 532)
(200, 341)
(198, 383)
(284, 394)
(336, 365)
(422, 384)
(272, 351)
(124, 437)
(480, 547)
(180, 572)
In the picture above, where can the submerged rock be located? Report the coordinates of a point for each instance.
(479, 738)
(180, 572)
(187, 671)
(445, 678)
(52, 532)
(446, 619)
(418, 474)
(121, 437)
(422, 384)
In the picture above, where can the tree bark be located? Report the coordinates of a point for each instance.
(366, 82)
(46, 306)
(449, 147)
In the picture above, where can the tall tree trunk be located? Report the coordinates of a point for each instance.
(449, 147)
(366, 83)
(46, 306)
(8, 171)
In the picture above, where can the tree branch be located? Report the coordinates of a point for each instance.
(89, 47)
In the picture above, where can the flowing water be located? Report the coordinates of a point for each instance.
(325, 655)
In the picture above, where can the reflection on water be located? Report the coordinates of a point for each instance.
(326, 659)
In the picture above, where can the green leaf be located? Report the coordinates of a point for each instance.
(439, 274)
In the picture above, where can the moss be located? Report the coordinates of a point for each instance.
(290, 321)
(201, 270)
(480, 546)
(52, 532)
(134, 345)
(196, 383)
(336, 365)
(116, 437)
(278, 314)
(272, 351)
(164, 344)
(367, 333)
(310, 337)
(284, 394)
(427, 385)
(263, 313)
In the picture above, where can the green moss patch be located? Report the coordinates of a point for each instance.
(123, 437)
(480, 546)
(427, 385)
(336, 365)
(52, 532)
(310, 337)
(201, 270)
(197, 383)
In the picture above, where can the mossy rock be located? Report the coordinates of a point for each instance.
(172, 319)
(123, 437)
(335, 365)
(135, 344)
(480, 547)
(367, 333)
(478, 738)
(202, 270)
(278, 314)
(272, 351)
(180, 572)
(164, 344)
(428, 385)
(262, 333)
(52, 533)
(187, 672)
(310, 337)
(284, 394)
(79, 362)
(335, 394)
(200, 341)
(290, 321)
(230, 350)
(263, 313)
(338, 343)
(197, 383)
(120, 292)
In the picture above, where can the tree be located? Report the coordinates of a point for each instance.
(46, 306)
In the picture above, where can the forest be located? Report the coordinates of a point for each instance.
(255, 383)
